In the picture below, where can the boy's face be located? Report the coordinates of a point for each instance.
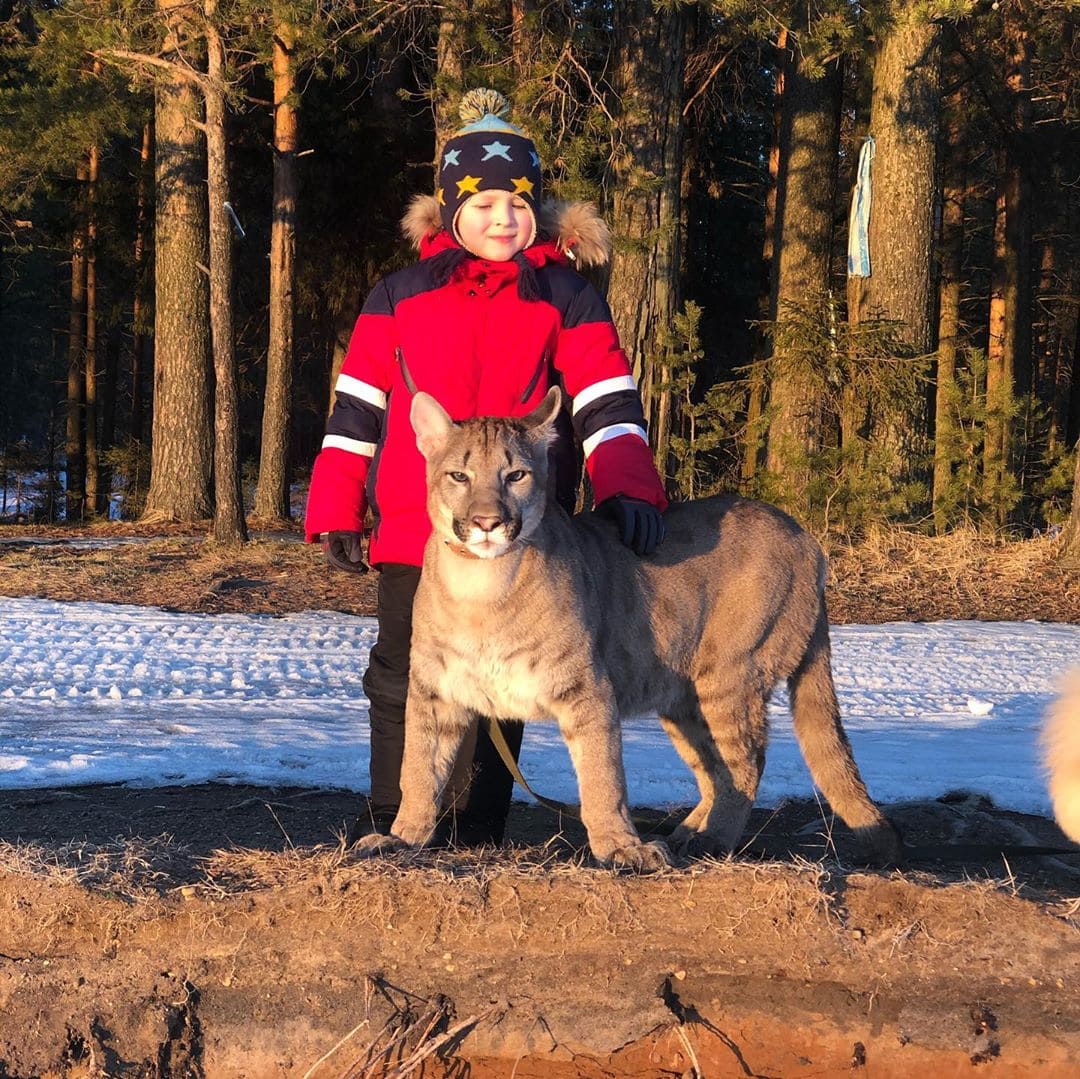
(495, 225)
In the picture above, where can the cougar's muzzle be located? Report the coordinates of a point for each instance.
(488, 530)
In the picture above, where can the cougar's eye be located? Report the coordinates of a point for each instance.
(516, 476)
(458, 477)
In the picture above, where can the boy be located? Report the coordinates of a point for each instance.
(486, 321)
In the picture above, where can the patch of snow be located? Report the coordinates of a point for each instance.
(99, 693)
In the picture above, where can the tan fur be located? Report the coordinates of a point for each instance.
(524, 613)
(1061, 745)
(575, 227)
(578, 230)
(421, 220)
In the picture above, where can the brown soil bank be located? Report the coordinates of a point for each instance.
(281, 956)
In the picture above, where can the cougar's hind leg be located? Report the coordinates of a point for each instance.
(736, 720)
(690, 736)
(434, 731)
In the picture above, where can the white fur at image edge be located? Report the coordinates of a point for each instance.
(1061, 741)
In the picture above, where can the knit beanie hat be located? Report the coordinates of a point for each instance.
(487, 154)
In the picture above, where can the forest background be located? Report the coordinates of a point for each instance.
(196, 195)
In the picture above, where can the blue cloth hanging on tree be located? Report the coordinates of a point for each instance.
(858, 257)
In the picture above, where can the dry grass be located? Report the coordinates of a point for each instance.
(132, 869)
(142, 869)
(898, 574)
(187, 573)
(892, 574)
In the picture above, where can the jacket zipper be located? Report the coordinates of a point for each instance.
(405, 373)
(536, 377)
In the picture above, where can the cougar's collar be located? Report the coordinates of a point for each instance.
(461, 549)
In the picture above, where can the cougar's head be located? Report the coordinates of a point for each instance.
(487, 477)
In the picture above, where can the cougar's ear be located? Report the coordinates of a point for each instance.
(546, 411)
(431, 422)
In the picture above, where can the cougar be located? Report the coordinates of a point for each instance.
(525, 613)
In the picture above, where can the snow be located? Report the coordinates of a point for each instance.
(96, 693)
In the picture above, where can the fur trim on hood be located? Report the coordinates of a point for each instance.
(575, 227)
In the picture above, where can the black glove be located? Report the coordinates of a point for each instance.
(640, 523)
(344, 551)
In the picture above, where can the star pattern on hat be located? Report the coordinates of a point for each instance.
(440, 196)
(535, 159)
(496, 149)
(522, 185)
(451, 158)
(468, 184)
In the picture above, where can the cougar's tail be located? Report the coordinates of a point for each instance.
(828, 751)
(1061, 745)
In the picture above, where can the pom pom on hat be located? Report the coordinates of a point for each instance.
(488, 154)
(477, 104)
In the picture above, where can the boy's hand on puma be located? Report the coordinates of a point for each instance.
(640, 523)
(343, 550)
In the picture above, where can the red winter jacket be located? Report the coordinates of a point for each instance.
(480, 350)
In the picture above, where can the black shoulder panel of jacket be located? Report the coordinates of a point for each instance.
(575, 298)
(398, 286)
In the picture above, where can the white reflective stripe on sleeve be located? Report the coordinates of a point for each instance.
(349, 445)
(602, 389)
(616, 430)
(364, 390)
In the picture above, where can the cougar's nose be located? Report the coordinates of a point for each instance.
(486, 524)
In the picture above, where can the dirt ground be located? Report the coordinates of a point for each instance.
(222, 930)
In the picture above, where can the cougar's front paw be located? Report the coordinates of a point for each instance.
(638, 857)
(374, 846)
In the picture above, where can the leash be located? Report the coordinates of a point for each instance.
(568, 809)
(498, 739)
(934, 852)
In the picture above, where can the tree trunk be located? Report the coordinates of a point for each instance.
(647, 73)
(450, 71)
(946, 423)
(755, 406)
(182, 441)
(140, 312)
(93, 461)
(1065, 354)
(999, 375)
(229, 527)
(1070, 540)
(1019, 48)
(272, 492)
(108, 413)
(75, 461)
(523, 36)
(806, 195)
(904, 123)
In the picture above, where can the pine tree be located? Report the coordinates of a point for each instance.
(182, 443)
(647, 73)
(954, 194)
(272, 491)
(806, 191)
(904, 116)
(229, 525)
